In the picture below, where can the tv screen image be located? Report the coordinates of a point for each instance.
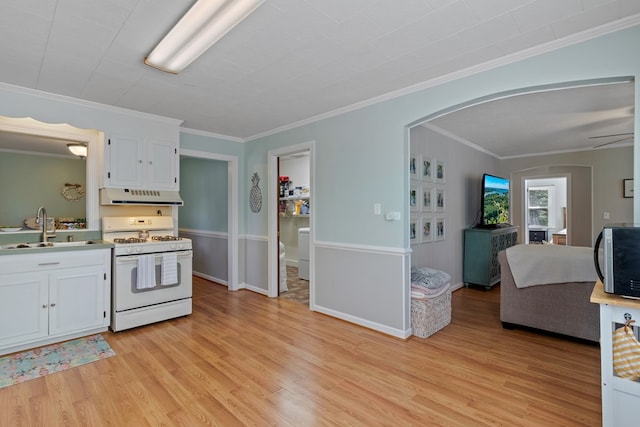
(495, 200)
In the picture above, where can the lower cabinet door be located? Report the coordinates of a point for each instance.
(76, 299)
(24, 307)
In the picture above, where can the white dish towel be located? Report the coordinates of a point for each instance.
(169, 269)
(146, 272)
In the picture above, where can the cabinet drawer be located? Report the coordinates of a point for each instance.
(53, 260)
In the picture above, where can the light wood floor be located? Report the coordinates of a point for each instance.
(244, 359)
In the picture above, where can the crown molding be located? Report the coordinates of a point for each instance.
(86, 104)
(212, 135)
(551, 46)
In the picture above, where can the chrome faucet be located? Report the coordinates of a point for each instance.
(41, 217)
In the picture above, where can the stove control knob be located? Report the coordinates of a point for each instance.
(139, 249)
(172, 246)
(127, 250)
(180, 246)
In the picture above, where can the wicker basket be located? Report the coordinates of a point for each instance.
(428, 316)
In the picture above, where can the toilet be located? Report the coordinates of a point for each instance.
(303, 253)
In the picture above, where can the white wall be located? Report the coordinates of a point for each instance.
(297, 169)
(464, 169)
(609, 167)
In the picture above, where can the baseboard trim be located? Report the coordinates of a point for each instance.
(254, 289)
(398, 333)
(457, 286)
(211, 278)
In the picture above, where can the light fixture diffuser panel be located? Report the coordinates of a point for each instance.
(200, 28)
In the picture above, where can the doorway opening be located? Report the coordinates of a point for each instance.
(291, 209)
(214, 241)
(293, 226)
(546, 211)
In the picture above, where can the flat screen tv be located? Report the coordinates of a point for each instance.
(495, 202)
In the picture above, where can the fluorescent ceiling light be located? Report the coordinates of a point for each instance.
(79, 150)
(203, 25)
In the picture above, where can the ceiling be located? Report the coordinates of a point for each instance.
(560, 120)
(15, 141)
(291, 60)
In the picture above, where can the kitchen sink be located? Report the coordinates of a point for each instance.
(46, 244)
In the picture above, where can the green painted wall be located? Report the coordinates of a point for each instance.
(204, 188)
(31, 181)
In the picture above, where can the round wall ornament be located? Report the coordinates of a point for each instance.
(72, 192)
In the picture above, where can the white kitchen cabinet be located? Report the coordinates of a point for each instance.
(76, 299)
(24, 315)
(620, 396)
(144, 163)
(52, 297)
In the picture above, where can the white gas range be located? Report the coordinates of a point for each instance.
(152, 270)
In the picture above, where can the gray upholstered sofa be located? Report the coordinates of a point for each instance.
(562, 308)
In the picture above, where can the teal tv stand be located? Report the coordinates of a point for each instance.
(481, 247)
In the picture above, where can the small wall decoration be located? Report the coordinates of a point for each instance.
(413, 166)
(72, 192)
(440, 200)
(255, 195)
(426, 229)
(627, 188)
(413, 198)
(440, 228)
(413, 230)
(440, 171)
(427, 169)
(427, 199)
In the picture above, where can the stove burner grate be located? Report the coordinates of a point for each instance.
(129, 240)
(166, 238)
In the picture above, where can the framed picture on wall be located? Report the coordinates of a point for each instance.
(426, 228)
(413, 230)
(426, 171)
(440, 171)
(627, 188)
(439, 228)
(426, 199)
(413, 166)
(413, 198)
(440, 199)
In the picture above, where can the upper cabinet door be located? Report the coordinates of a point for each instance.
(148, 164)
(162, 161)
(125, 166)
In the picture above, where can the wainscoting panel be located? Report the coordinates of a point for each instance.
(210, 254)
(363, 285)
(255, 263)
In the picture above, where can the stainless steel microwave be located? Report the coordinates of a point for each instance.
(621, 259)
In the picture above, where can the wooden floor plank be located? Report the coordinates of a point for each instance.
(244, 359)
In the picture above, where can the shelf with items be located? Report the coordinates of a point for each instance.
(294, 198)
(294, 206)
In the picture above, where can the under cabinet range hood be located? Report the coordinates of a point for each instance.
(131, 196)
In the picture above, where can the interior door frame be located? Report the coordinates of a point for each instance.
(525, 202)
(272, 207)
(233, 283)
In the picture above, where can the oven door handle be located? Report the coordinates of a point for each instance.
(129, 258)
(123, 259)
